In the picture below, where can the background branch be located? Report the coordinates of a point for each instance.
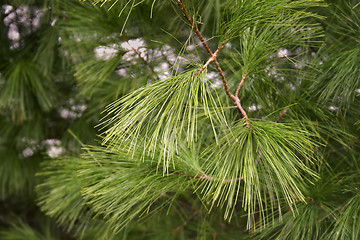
(150, 68)
(196, 212)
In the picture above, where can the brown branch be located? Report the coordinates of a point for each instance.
(240, 84)
(196, 212)
(238, 105)
(236, 100)
(193, 25)
(213, 59)
(282, 114)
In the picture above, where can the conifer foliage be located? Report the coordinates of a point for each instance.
(179, 119)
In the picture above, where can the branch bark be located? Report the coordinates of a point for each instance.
(211, 59)
(240, 85)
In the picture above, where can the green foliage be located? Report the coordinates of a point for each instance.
(315, 218)
(120, 196)
(180, 101)
(26, 89)
(265, 164)
(347, 226)
(20, 230)
(244, 14)
(17, 174)
(339, 82)
(340, 77)
(109, 183)
(141, 134)
(61, 196)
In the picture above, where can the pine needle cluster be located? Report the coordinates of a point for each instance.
(179, 119)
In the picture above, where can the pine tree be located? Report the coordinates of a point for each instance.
(179, 119)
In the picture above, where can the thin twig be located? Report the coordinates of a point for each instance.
(282, 114)
(336, 150)
(223, 78)
(205, 177)
(240, 84)
(319, 206)
(196, 212)
(282, 237)
(238, 105)
(193, 25)
(346, 148)
(236, 100)
(291, 190)
(150, 68)
(213, 59)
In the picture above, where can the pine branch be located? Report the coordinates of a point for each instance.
(213, 59)
(240, 85)
(236, 100)
(193, 25)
